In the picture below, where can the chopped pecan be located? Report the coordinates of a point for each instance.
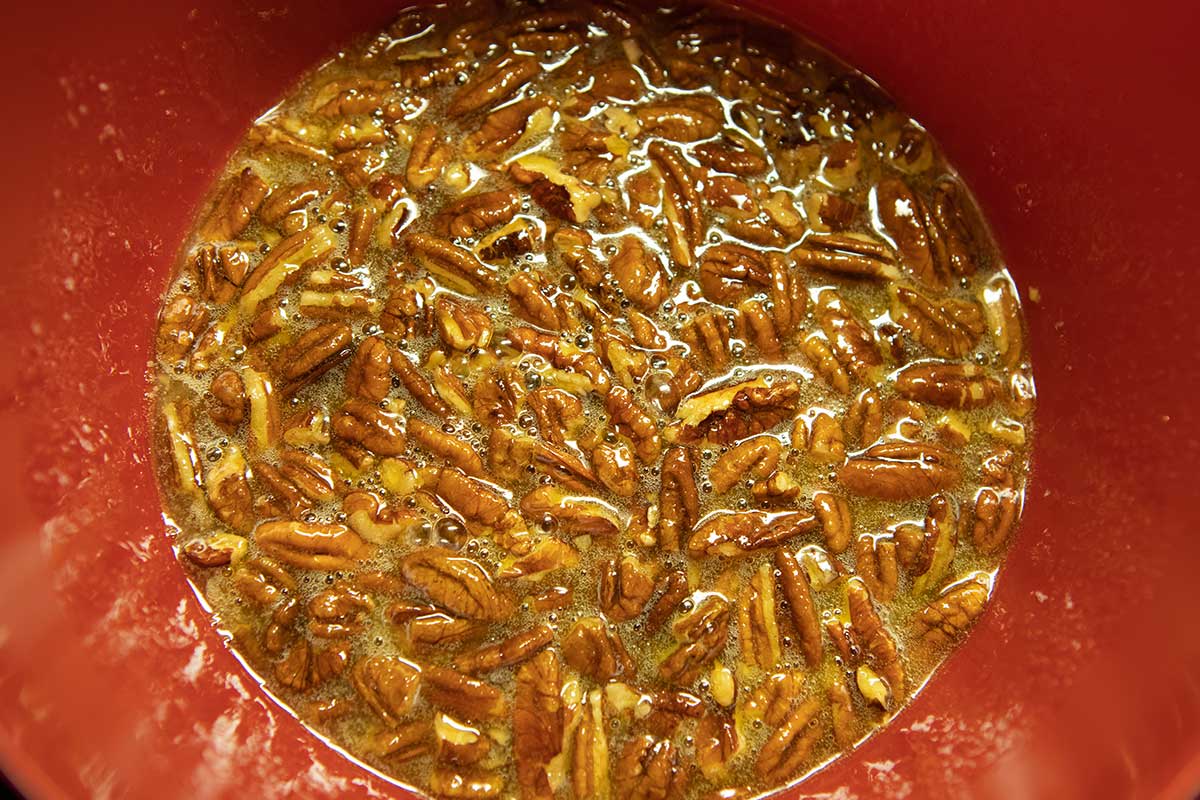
(632, 420)
(589, 756)
(726, 415)
(940, 541)
(595, 650)
(797, 591)
(901, 471)
(1004, 320)
(495, 81)
(367, 425)
(755, 457)
(702, 634)
(625, 587)
(822, 434)
(513, 650)
(373, 520)
(574, 516)
(297, 481)
(461, 694)
(465, 784)
(455, 582)
(228, 490)
(845, 723)
(401, 744)
(736, 533)
(816, 349)
(537, 723)
(388, 684)
(649, 769)
(545, 557)
(220, 272)
(948, 384)
(312, 355)
(217, 550)
(369, 374)
(227, 404)
(853, 346)
(996, 512)
(454, 264)
(459, 743)
(282, 265)
(949, 616)
(948, 327)
(875, 637)
(682, 204)
(758, 629)
(788, 747)
(476, 213)
(640, 274)
(233, 206)
(312, 545)
(179, 324)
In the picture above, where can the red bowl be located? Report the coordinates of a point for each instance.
(1073, 123)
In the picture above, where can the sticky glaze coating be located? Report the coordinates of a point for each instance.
(584, 402)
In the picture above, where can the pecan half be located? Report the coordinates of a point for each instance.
(632, 420)
(217, 550)
(369, 374)
(996, 512)
(537, 723)
(388, 684)
(495, 81)
(947, 384)
(903, 216)
(724, 416)
(640, 274)
(233, 206)
(506, 126)
(736, 533)
(227, 403)
(853, 346)
(461, 694)
(367, 425)
(316, 352)
(684, 118)
(615, 468)
(227, 488)
(454, 264)
(864, 418)
(797, 591)
(788, 747)
(948, 327)
(717, 742)
(513, 650)
(649, 769)
(476, 213)
(816, 349)
(879, 644)
(312, 545)
(949, 616)
(850, 255)
(589, 756)
(625, 587)
(462, 326)
(574, 516)
(702, 634)
(455, 582)
(682, 204)
(758, 629)
(901, 471)
(595, 650)
(428, 157)
(940, 541)
(755, 457)
(179, 324)
(220, 272)
(297, 481)
(833, 512)
(875, 563)
(456, 451)
(672, 590)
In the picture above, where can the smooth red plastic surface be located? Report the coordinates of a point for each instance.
(1073, 122)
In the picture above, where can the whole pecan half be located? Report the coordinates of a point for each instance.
(233, 206)
(752, 458)
(949, 616)
(649, 769)
(367, 425)
(495, 81)
(726, 415)
(901, 471)
(589, 757)
(640, 274)
(788, 747)
(948, 327)
(702, 634)
(513, 650)
(625, 587)
(313, 354)
(735, 533)
(758, 628)
(796, 589)
(311, 545)
(455, 582)
(462, 694)
(388, 684)
(537, 723)
(595, 650)
(948, 384)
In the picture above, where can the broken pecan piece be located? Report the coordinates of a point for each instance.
(726, 415)
(513, 650)
(702, 634)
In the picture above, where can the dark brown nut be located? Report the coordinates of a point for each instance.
(179, 325)
(227, 403)
(545, 557)
(730, 272)
(737, 533)
(456, 583)
(724, 416)
(537, 723)
(682, 204)
(369, 374)
(233, 206)
(527, 298)
(631, 419)
(505, 126)
(717, 742)
(779, 490)
(901, 471)
(756, 326)
(758, 628)
(947, 384)
(864, 419)
(949, 616)
(510, 242)
(459, 267)
(269, 321)
(462, 326)
(456, 451)
(702, 634)
(875, 563)
(640, 274)
(465, 784)
(815, 348)
(615, 468)
(227, 488)
(683, 118)
(756, 457)
(595, 650)
(419, 386)
(293, 671)
(307, 427)
(474, 214)
(263, 581)
(996, 512)
(461, 694)
(879, 644)
(499, 396)
(367, 425)
(672, 590)
(358, 166)
(649, 769)
(387, 684)
(798, 593)
(625, 587)
(312, 355)
(312, 545)
(903, 216)
(299, 480)
(397, 745)
(938, 545)
(405, 313)
(833, 512)
(589, 756)
(853, 346)
(788, 748)
(282, 265)
(948, 327)
(845, 724)
(822, 435)
(335, 613)
(428, 157)
(953, 223)
(217, 550)
(1004, 320)
(494, 82)
(436, 630)
(513, 650)
(220, 272)
(573, 516)
(835, 211)
(708, 334)
(847, 254)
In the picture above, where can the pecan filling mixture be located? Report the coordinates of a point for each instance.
(584, 401)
